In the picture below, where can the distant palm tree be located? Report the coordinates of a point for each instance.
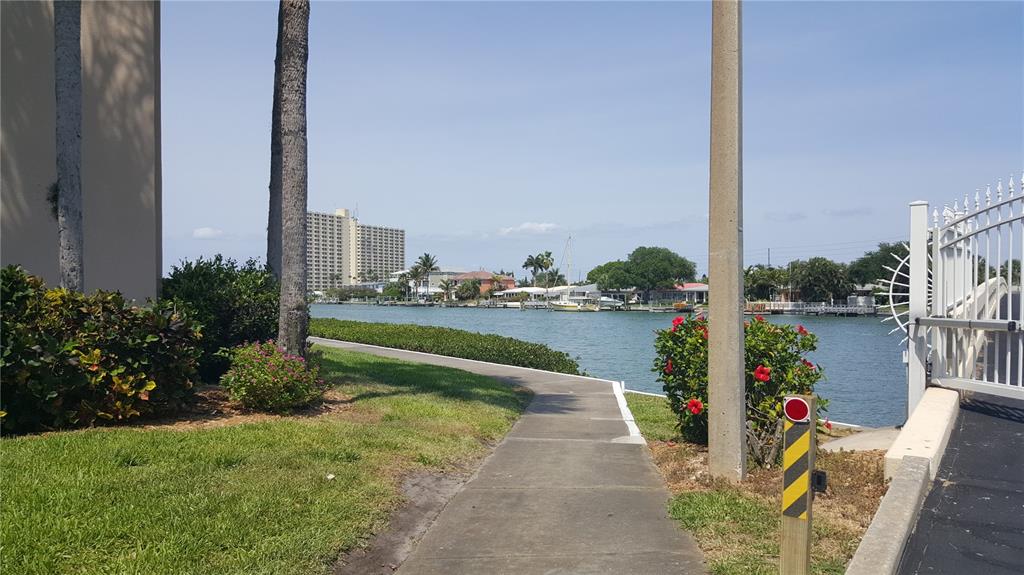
(447, 288)
(67, 32)
(294, 316)
(416, 275)
(403, 283)
(532, 265)
(554, 277)
(427, 264)
(545, 261)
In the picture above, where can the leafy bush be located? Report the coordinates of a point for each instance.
(775, 366)
(234, 304)
(449, 342)
(69, 359)
(264, 377)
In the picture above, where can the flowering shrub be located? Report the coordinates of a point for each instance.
(775, 366)
(263, 377)
(70, 359)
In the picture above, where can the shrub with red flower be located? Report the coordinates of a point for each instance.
(678, 321)
(775, 365)
(762, 373)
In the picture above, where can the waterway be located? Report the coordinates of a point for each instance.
(865, 379)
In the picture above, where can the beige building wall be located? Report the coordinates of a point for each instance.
(120, 143)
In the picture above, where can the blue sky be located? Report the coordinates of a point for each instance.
(490, 131)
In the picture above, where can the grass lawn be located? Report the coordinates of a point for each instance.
(738, 527)
(247, 498)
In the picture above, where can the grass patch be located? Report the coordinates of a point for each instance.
(653, 416)
(249, 498)
(448, 342)
(737, 527)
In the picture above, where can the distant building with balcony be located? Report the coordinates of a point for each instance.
(340, 251)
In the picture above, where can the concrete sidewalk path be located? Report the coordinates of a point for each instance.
(570, 490)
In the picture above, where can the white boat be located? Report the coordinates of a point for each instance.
(567, 301)
(574, 304)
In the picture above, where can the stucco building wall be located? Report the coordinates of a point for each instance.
(120, 143)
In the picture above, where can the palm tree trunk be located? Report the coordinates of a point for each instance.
(274, 213)
(294, 316)
(67, 43)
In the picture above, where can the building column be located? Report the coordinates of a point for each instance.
(726, 376)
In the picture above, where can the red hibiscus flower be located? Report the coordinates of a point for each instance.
(704, 330)
(828, 424)
(668, 367)
(695, 406)
(758, 318)
(807, 364)
(762, 373)
(801, 330)
(678, 321)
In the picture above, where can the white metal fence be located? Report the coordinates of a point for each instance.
(965, 306)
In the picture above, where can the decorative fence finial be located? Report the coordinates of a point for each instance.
(988, 197)
(977, 200)
(935, 217)
(967, 205)
(999, 193)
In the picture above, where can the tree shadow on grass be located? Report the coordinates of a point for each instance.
(415, 379)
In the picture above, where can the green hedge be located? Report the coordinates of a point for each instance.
(449, 342)
(234, 303)
(70, 359)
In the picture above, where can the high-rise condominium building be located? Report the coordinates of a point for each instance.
(340, 251)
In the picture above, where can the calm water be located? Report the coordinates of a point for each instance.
(865, 377)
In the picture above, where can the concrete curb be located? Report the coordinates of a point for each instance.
(881, 549)
(926, 432)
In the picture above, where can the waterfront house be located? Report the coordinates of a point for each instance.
(691, 293)
(488, 281)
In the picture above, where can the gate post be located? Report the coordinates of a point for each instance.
(917, 343)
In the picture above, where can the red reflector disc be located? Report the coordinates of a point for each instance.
(796, 409)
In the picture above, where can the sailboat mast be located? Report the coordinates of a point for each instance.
(568, 257)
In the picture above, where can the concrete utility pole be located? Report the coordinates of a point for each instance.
(726, 377)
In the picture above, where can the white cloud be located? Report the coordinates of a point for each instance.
(532, 228)
(207, 233)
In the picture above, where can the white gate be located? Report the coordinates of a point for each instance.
(965, 315)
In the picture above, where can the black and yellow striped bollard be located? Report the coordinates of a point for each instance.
(798, 467)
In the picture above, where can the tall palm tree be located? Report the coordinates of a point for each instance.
(293, 33)
(274, 212)
(531, 264)
(67, 43)
(427, 263)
